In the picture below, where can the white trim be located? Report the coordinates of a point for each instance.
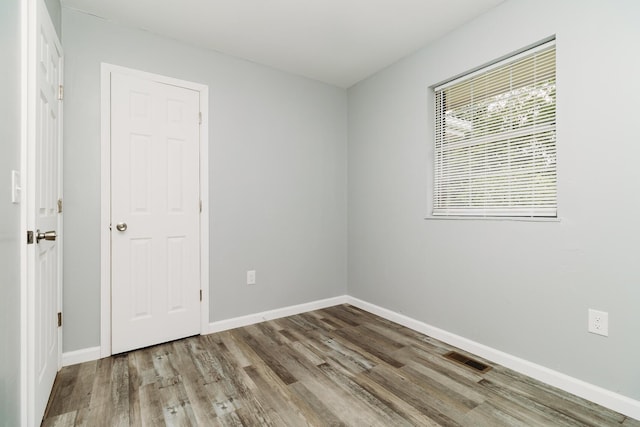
(252, 319)
(498, 63)
(105, 199)
(204, 214)
(25, 122)
(105, 213)
(593, 393)
(60, 225)
(609, 399)
(80, 356)
(95, 353)
(28, 185)
(431, 217)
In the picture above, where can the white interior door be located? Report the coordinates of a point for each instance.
(44, 191)
(155, 212)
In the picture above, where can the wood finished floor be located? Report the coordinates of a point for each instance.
(339, 366)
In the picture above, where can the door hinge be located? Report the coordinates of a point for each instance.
(59, 205)
(29, 237)
(200, 294)
(61, 92)
(59, 319)
(199, 118)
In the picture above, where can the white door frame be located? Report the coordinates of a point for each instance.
(105, 217)
(28, 122)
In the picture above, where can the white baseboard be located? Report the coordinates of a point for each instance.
(251, 319)
(609, 399)
(80, 356)
(93, 353)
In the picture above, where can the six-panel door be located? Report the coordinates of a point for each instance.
(45, 166)
(155, 212)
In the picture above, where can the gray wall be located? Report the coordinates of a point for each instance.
(520, 287)
(277, 175)
(55, 12)
(10, 76)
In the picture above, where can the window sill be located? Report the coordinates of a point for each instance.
(493, 218)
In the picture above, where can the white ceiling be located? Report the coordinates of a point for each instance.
(339, 42)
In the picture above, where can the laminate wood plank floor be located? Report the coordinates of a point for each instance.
(339, 366)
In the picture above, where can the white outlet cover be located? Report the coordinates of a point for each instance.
(16, 187)
(251, 277)
(599, 322)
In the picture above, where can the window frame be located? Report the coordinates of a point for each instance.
(504, 62)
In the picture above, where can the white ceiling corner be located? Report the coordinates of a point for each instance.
(339, 42)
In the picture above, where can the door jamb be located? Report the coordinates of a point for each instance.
(28, 21)
(105, 215)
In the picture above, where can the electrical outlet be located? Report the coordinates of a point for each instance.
(251, 277)
(599, 322)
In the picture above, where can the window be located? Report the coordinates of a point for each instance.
(495, 142)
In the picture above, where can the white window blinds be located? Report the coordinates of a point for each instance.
(495, 142)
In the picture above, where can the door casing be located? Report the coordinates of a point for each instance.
(105, 219)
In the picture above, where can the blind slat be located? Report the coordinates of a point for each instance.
(495, 142)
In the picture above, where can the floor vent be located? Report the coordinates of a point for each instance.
(467, 361)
